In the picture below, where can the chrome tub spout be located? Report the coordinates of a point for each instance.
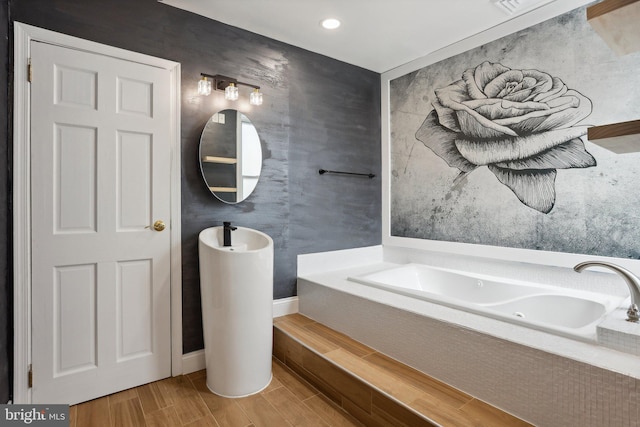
(633, 314)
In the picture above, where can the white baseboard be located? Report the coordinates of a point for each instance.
(195, 361)
(284, 306)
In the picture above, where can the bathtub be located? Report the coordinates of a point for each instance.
(562, 311)
(543, 368)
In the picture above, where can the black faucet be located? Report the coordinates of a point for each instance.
(227, 233)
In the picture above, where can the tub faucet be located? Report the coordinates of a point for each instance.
(633, 314)
(227, 233)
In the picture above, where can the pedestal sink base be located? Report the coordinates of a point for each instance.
(236, 286)
(244, 395)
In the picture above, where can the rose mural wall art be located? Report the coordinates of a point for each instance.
(489, 146)
(521, 124)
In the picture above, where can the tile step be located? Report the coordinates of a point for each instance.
(374, 388)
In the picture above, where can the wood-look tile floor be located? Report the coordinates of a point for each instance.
(186, 401)
(290, 400)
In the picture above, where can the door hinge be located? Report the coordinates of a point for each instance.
(29, 71)
(30, 376)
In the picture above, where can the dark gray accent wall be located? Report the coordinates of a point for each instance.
(317, 112)
(330, 131)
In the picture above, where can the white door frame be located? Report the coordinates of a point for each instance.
(23, 35)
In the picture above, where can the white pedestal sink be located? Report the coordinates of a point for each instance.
(236, 284)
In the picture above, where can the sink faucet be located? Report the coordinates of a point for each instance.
(633, 314)
(227, 233)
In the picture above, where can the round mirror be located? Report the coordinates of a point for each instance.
(230, 156)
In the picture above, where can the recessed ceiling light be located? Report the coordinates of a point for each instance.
(330, 23)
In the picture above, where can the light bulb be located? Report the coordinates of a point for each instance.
(256, 97)
(204, 86)
(231, 92)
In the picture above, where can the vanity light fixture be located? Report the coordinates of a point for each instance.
(230, 87)
(256, 97)
(204, 86)
(231, 92)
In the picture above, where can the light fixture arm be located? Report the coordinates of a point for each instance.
(220, 82)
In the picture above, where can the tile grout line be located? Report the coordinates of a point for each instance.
(422, 387)
(316, 394)
(373, 351)
(330, 403)
(203, 402)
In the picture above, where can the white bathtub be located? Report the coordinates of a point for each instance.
(567, 312)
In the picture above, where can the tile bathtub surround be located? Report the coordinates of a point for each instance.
(376, 389)
(616, 333)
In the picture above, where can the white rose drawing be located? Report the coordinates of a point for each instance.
(521, 124)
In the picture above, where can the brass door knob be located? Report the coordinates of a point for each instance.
(159, 225)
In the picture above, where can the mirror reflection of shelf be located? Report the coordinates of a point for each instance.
(220, 160)
(623, 137)
(223, 189)
(230, 156)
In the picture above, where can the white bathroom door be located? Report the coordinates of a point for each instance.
(100, 153)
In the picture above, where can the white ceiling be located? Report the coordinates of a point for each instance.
(378, 35)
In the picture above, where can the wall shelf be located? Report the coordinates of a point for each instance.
(623, 137)
(220, 160)
(617, 23)
(224, 189)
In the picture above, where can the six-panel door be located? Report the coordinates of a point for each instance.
(101, 273)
